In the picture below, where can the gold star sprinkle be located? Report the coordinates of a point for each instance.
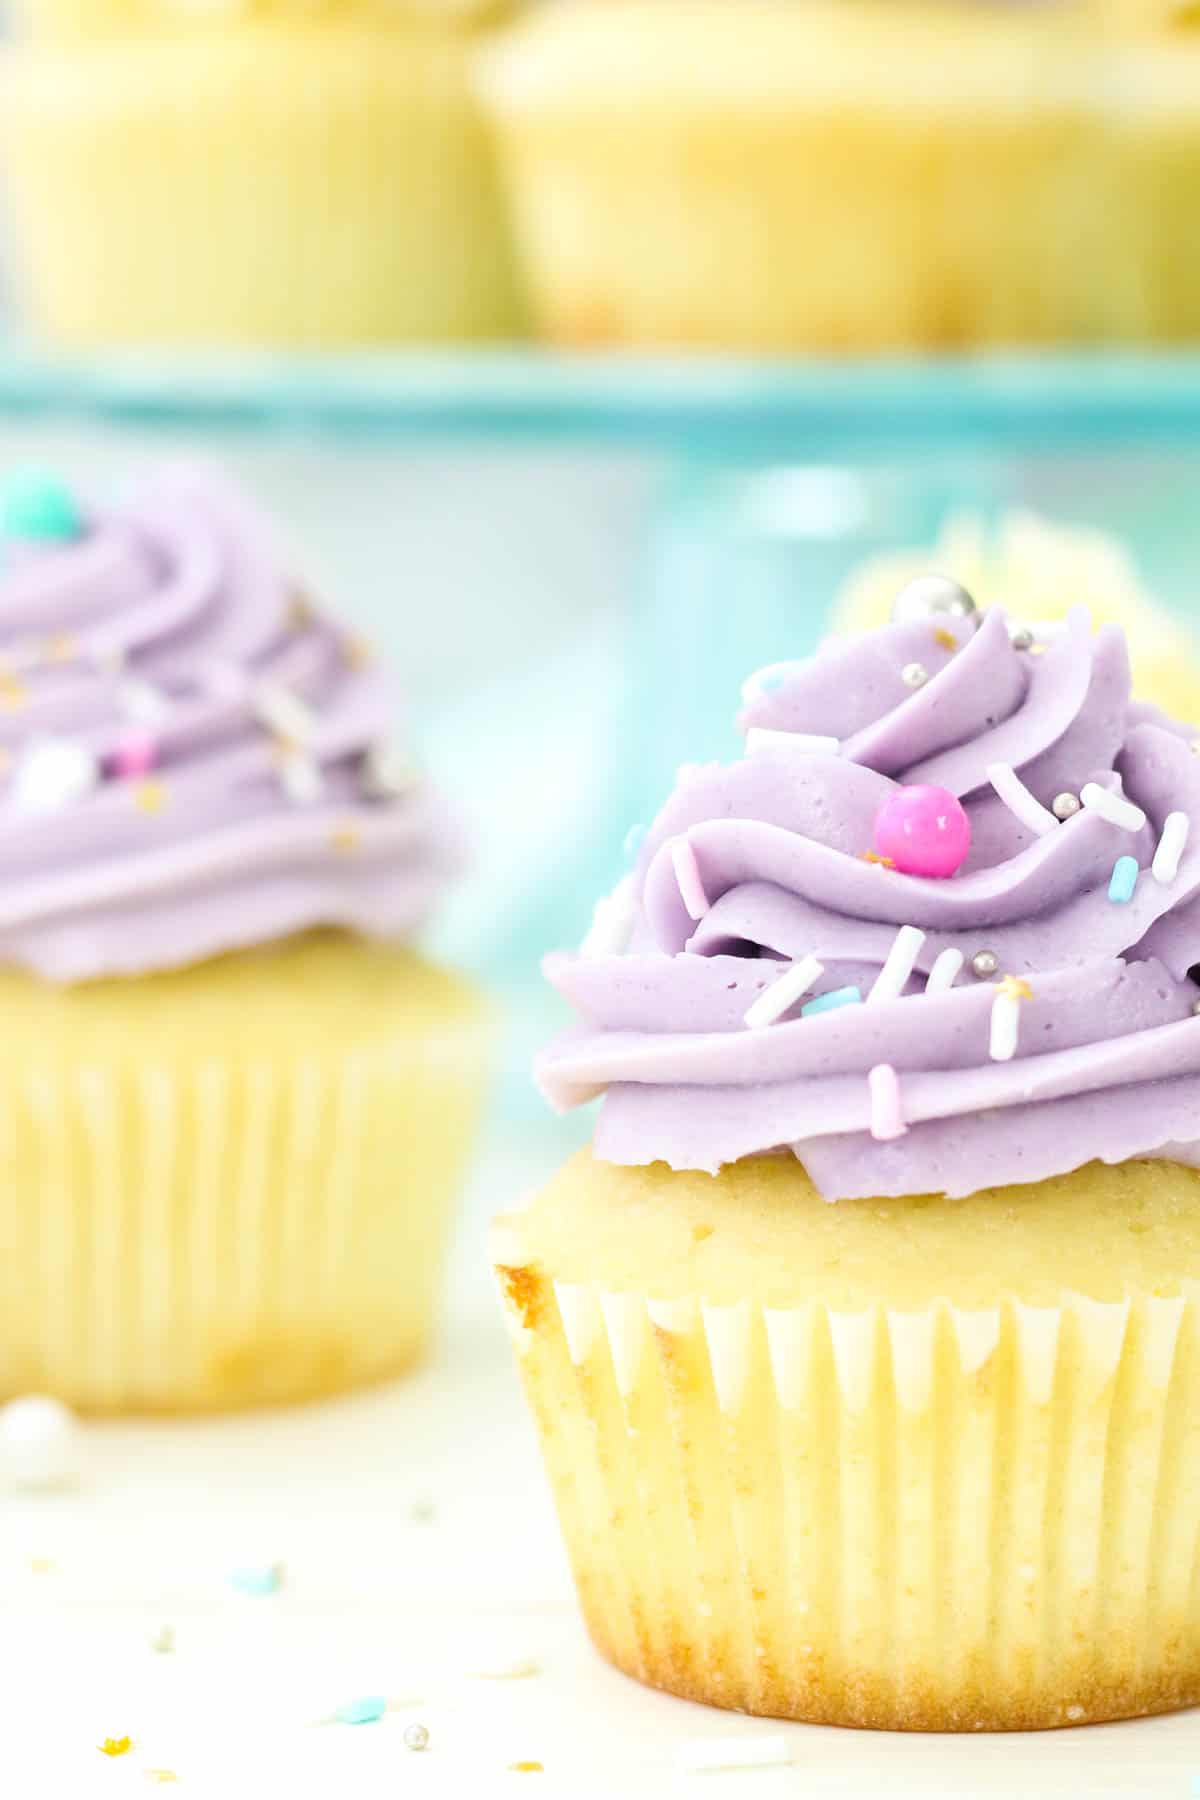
(873, 856)
(12, 693)
(150, 796)
(115, 1746)
(945, 640)
(345, 839)
(1014, 988)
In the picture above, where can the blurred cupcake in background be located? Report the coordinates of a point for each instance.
(254, 174)
(1039, 569)
(235, 1104)
(819, 175)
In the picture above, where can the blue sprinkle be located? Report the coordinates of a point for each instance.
(362, 1712)
(37, 505)
(847, 996)
(1124, 879)
(258, 1581)
(635, 837)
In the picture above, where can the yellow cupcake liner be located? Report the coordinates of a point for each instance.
(272, 184)
(937, 1520)
(229, 1229)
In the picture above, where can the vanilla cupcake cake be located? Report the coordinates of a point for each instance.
(234, 1104)
(863, 1342)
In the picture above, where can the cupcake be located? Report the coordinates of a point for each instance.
(799, 174)
(266, 175)
(1039, 566)
(863, 1342)
(235, 1102)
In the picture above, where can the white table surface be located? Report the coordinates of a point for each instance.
(420, 1556)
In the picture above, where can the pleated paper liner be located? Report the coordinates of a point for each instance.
(231, 1230)
(937, 1520)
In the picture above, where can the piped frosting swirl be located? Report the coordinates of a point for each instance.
(1107, 1048)
(192, 758)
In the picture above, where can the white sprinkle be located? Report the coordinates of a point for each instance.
(39, 1443)
(1019, 801)
(687, 873)
(944, 972)
(1048, 631)
(700, 1756)
(521, 1669)
(388, 771)
(283, 712)
(50, 774)
(901, 960)
(301, 778)
(612, 922)
(809, 743)
(752, 686)
(1113, 807)
(1171, 845)
(785, 992)
(143, 703)
(1006, 1025)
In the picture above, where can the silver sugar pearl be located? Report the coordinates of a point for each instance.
(416, 1737)
(1021, 638)
(914, 675)
(984, 963)
(1065, 806)
(930, 595)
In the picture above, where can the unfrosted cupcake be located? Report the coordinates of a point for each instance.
(848, 175)
(925, 1458)
(275, 174)
(235, 1103)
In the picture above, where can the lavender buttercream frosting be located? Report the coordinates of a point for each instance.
(1107, 1060)
(193, 759)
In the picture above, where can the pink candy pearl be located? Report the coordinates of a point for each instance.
(923, 831)
(136, 754)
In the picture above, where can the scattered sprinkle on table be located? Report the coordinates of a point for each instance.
(701, 1756)
(362, 1712)
(520, 1669)
(115, 1746)
(422, 1511)
(416, 1737)
(527, 1768)
(265, 1579)
(161, 1775)
(41, 1565)
(163, 1641)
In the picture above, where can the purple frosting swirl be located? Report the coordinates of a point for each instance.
(1108, 1058)
(193, 758)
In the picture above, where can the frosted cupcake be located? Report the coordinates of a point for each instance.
(235, 1105)
(275, 174)
(926, 1458)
